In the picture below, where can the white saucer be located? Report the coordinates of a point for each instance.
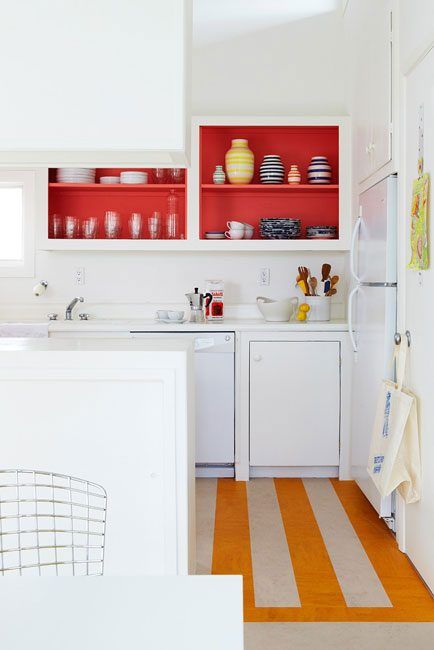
(169, 321)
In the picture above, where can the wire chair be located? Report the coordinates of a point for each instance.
(51, 524)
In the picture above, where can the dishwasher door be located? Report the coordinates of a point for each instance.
(214, 361)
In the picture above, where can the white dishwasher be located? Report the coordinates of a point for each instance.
(214, 361)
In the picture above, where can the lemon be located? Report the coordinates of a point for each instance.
(304, 307)
(301, 315)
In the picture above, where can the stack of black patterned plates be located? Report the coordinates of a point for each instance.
(279, 228)
(321, 232)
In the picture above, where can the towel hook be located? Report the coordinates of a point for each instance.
(397, 338)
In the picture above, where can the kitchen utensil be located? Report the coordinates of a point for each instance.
(319, 308)
(72, 227)
(135, 225)
(304, 278)
(154, 225)
(327, 285)
(277, 311)
(197, 302)
(332, 292)
(313, 283)
(325, 271)
(89, 227)
(112, 224)
(334, 280)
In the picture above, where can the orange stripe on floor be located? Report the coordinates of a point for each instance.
(321, 599)
(316, 580)
(398, 576)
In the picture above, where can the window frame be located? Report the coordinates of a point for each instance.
(26, 179)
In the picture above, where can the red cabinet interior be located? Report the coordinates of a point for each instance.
(93, 200)
(313, 204)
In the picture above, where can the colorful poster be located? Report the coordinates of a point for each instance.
(419, 224)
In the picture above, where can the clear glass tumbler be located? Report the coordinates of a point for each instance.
(176, 175)
(172, 226)
(89, 228)
(112, 224)
(72, 227)
(160, 175)
(57, 230)
(154, 225)
(135, 225)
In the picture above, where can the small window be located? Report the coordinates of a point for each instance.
(17, 195)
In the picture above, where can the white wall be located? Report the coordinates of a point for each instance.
(138, 282)
(294, 68)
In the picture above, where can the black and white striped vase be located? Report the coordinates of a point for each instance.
(272, 170)
(319, 171)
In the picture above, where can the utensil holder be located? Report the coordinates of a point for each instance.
(319, 308)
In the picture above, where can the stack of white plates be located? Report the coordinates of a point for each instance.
(75, 175)
(109, 180)
(134, 178)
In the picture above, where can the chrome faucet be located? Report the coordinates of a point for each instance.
(70, 307)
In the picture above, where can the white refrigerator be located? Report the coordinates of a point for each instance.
(372, 321)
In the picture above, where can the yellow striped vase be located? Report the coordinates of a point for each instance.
(239, 162)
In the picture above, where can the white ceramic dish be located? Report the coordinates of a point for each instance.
(169, 321)
(110, 180)
(277, 311)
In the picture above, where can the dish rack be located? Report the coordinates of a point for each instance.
(51, 524)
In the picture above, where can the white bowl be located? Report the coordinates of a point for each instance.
(109, 180)
(277, 311)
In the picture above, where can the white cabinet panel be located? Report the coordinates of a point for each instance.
(294, 403)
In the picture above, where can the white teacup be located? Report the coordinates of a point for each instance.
(235, 225)
(235, 233)
(162, 314)
(175, 315)
(248, 232)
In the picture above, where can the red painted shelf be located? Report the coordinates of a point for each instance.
(313, 204)
(272, 188)
(162, 187)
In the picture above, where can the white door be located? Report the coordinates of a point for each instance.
(419, 318)
(294, 403)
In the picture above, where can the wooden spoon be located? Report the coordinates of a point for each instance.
(334, 280)
(313, 285)
(331, 292)
(325, 271)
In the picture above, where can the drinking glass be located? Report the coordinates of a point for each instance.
(135, 225)
(172, 224)
(176, 175)
(112, 224)
(89, 227)
(72, 227)
(57, 229)
(154, 225)
(160, 175)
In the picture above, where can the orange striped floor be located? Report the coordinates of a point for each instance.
(319, 590)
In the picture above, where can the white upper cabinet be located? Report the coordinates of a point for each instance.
(98, 77)
(369, 32)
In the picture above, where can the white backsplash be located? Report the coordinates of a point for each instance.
(133, 284)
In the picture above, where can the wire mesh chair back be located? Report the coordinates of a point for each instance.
(51, 524)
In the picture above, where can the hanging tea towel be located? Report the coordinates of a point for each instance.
(394, 456)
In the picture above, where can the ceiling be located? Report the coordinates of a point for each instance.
(219, 20)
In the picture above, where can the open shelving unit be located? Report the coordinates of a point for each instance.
(204, 206)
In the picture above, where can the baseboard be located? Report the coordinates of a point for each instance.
(215, 472)
(294, 472)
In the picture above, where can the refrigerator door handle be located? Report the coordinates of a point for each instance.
(353, 247)
(350, 317)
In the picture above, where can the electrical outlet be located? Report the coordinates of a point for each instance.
(264, 277)
(79, 275)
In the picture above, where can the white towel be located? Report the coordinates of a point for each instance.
(26, 330)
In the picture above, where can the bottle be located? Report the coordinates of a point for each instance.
(172, 218)
(215, 310)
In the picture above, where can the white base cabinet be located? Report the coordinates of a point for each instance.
(294, 403)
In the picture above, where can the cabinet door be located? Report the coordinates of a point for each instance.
(369, 37)
(294, 403)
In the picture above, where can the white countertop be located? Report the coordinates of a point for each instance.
(169, 344)
(228, 325)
